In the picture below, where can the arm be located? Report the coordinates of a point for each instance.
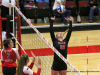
(38, 72)
(51, 30)
(69, 32)
(64, 3)
(31, 65)
(17, 54)
(30, 72)
(59, 2)
(2, 59)
(17, 3)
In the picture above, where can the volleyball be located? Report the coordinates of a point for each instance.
(61, 9)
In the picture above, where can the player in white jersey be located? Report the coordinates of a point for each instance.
(23, 69)
(8, 57)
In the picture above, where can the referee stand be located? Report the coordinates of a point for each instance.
(10, 23)
(11, 28)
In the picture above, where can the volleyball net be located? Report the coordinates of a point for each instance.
(40, 46)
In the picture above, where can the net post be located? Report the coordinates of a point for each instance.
(87, 55)
(9, 7)
(9, 27)
(19, 33)
(1, 32)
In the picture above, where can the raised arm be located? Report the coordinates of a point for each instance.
(70, 30)
(32, 63)
(30, 72)
(51, 29)
(17, 3)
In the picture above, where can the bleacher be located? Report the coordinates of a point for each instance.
(82, 9)
(44, 10)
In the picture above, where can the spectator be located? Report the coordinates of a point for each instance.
(23, 69)
(65, 14)
(5, 10)
(8, 57)
(95, 6)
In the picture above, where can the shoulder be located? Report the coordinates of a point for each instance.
(27, 70)
(15, 50)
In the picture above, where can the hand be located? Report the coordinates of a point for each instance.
(91, 2)
(68, 19)
(33, 56)
(94, 7)
(53, 18)
(39, 61)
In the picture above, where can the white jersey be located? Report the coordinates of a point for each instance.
(6, 2)
(56, 4)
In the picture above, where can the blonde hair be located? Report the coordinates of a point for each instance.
(22, 62)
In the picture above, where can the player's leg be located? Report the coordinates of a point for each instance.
(63, 72)
(53, 72)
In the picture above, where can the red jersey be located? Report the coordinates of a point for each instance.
(27, 70)
(9, 56)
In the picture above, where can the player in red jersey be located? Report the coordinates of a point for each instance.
(23, 69)
(8, 57)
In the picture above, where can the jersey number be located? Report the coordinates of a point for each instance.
(62, 46)
(8, 54)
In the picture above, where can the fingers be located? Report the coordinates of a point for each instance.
(32, 54)
(53, 17)
(39, 60)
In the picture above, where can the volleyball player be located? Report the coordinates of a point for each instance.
(8, 57)
(59, 66)
(23, 69)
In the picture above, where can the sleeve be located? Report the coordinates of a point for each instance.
(2, 59)
(51, 31)
(27, 70)
(69, 32)
(31, 65)
(17, 54)
(38, 72)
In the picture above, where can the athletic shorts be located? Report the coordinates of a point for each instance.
(59, 65)
(9, 70)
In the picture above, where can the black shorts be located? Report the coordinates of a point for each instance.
(59, 65)
(9, 70)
